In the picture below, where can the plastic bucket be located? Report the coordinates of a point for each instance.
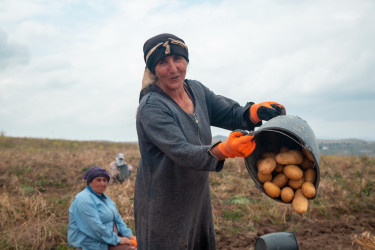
(277, 241)
(285, 130)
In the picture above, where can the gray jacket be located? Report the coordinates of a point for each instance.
(172, 197)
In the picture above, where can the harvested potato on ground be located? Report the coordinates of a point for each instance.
(308, 189)
(268, 155)
(293, 172)
(287, 194)
(310, 175)
(292, 157)
(271, 189)
(306, 164)
(280, 180)
(296, 184)
(279, 168)
(266, 166)
(300, 202)
(262, 178)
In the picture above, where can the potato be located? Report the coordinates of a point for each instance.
(268, 155)
(262, 178)
(308, 154)
(279, 168)
(306, 164)
(308, 189)
(258, 162)
(292, 157)
(293, 172)
(287, 194)
(310, 175)
(296, 184)
(300, 202)
(271, 189)
(280, 180)
(284, 149)
(266, 166)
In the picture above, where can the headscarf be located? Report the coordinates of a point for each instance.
(94, 172)
(120, 159)
(158, 47)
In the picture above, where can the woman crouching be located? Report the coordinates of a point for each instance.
(94, 222)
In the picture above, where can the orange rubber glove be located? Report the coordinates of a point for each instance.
(266, 111)
(134, 242)
(238, 144)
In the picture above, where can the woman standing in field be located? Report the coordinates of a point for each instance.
(94, 222)
(172, 197)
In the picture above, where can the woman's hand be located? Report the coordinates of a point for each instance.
(238, 144)
(125, 241)
(265, 111)
(131, 241)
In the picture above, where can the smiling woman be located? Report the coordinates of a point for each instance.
(172, 206)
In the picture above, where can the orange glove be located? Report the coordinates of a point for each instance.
(265, 111)
(238, 144)
(134, 242)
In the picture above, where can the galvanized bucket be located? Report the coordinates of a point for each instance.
(284, 130)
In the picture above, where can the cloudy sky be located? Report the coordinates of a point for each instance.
(72, 69)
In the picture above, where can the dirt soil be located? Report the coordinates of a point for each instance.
(323, 233)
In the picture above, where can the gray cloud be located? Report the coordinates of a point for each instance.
(12, 53)
(315, 57)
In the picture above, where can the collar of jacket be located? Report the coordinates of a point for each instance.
(157, 89)
(102, 197)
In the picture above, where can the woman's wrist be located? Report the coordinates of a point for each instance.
(217, 153)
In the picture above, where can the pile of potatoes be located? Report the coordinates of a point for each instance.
(288, 175)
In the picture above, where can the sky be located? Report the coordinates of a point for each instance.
(72, 69)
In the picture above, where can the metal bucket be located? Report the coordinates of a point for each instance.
(277, 241)
(284, 130)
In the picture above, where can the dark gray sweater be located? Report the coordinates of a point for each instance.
(172, 197)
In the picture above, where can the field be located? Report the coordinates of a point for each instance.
(40, 177)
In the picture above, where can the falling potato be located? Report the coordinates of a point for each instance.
(300, 202)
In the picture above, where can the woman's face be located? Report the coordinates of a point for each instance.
(99, 184)
(170, 72)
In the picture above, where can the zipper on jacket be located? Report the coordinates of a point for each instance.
(197, 122)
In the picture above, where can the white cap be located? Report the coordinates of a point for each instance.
(120, 156)
(120, 159)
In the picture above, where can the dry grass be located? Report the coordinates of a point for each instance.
(364, 240)
(40, 177)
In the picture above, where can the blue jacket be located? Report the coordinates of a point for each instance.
(91, 221)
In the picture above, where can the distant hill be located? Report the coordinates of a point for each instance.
(346, 147)
(336, 147)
